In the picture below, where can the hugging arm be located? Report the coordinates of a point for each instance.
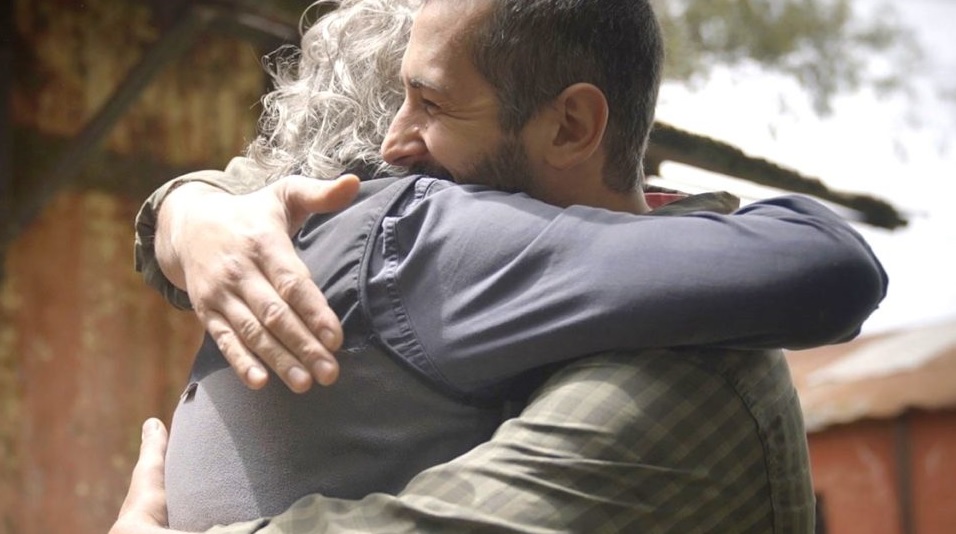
(528, 278)
(492, 284)
(579, 458)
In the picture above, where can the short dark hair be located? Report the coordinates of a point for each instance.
(531, 50)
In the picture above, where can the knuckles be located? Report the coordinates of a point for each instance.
(273, 314)
(250, 331)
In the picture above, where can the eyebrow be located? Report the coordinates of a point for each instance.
(418, 83)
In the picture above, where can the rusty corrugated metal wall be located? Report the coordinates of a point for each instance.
(890, 476)
(86, 350)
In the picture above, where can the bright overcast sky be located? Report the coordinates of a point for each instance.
(867, 146)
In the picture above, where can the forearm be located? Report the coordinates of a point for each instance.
(542, 285)
(526, 479)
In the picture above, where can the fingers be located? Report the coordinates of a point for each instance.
(149, 473)
(305, 196)
(295, 311)
(247, 345)
(282, 317)
(247, 312)
(246, 365)
(252, 292)
(146, 499)
(303, 326)
(259, 328)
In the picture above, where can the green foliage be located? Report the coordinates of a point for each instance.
(827, 46)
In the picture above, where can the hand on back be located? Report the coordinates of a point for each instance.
(252, 293)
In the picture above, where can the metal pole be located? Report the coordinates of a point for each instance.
(904, 465)
(170, 46)
(6, 103)
(6, 128)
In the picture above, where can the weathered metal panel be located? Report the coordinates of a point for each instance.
(933, 444)
(6, 81)
(10, 408)
(199, 110)
(888, 477)
(879, 376)
(855, 473)
(880, 413)
(86, 350)
(93, 352)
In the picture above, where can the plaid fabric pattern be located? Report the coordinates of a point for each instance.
(664, 441)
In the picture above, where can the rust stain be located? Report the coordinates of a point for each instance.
(854, 471)
(87, 351)
(933, 439)
(94, 352)
(10, 409)
(200, 109)
(79, 54)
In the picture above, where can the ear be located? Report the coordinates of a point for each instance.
(580, 114)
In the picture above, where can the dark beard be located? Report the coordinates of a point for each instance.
(435, 171)
(507, 169)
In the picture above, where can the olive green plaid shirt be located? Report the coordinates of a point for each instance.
(663, 441)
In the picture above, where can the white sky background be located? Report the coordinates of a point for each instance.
(867, 145)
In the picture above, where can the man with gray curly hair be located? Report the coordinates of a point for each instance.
(456, 300)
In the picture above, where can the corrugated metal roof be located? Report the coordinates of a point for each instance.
(668, 143)
(877, 376)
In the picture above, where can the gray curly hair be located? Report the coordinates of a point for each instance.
(334, 97)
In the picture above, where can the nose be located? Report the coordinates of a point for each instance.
(403, 144)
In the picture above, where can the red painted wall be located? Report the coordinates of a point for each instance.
(87, 351)
(856, 472)
(95, 353)
(933, 443)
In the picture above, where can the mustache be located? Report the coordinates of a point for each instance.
(430, 169)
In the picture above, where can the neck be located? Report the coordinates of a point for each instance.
(631, 202)
(589, 191)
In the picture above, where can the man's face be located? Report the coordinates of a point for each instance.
(448, 124)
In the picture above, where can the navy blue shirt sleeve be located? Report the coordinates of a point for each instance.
(475, 286)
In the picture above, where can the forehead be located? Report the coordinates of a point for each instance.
(437, 51)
